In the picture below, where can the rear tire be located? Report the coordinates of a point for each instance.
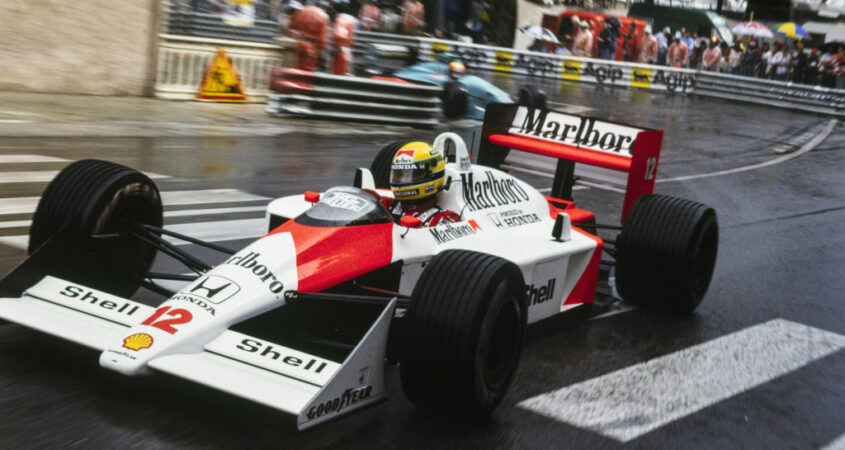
(463, 333)
(380, 167)
(666, 253)
(532, 96)
(95, 197)
(455, 97)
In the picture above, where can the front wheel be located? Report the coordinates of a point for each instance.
(666, 253)
(455, 99)
(463, 333)
(91, 197)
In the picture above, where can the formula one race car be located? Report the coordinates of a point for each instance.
(304, 319)
(465, 96)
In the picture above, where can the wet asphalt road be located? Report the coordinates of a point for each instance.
(782, 250)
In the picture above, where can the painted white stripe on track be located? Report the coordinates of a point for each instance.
(27, 205)
(45, 176)
(20, 159)
(178, 213)
(631, 402)
(215, 231)
(836, 444)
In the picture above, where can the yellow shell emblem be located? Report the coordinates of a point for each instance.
(138, 341)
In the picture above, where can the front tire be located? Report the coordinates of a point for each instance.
(666, 253)
(92, 197)
(455, 99)
(463, 333)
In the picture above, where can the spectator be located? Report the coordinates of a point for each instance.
(537, 46)
(631, 46)
(765, 69)
(825, 69)
(735, 59)
(584, 42)
(812, 71)
(750, 59)
(662, 45)
(648, 47)
(687, 39)
(563, 47)
(837, 63)
(711, 57)
(452, 14)
(390, 19)
(698, 55)
(607, 40)
(799, 63)
(779, 63)
(369, 16)
(678, 54)
(413, 17)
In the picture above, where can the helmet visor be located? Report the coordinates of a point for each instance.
(412, 172)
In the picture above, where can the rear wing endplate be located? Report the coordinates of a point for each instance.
(571, 150)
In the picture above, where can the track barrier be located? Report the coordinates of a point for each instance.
(325, 96)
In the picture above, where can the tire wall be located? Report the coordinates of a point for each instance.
(98, 47)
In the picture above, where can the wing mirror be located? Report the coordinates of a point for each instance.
(410, 221)
(563, 224)
(312, 197)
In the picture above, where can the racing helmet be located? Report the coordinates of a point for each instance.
(417, 172)
(456, 70)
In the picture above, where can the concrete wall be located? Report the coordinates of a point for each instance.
(101, 47)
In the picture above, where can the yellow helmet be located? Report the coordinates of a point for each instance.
(417, 172)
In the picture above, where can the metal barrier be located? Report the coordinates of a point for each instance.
(189, 23)
(320, 95)
(182, 61)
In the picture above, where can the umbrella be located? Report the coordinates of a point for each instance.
(756, 29)
(538, 32)
(792, 30)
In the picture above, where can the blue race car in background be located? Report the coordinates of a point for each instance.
(464, 96)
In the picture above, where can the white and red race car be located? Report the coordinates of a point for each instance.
(305, 318)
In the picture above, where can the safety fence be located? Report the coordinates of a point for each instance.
(324, 96)
(183, 60)
(196, 24)
(624, 74)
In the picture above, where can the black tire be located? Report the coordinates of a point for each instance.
(463, 333)
(455, 97)
(666, 253)
(93, 197)
(532, 96)
(380, 167)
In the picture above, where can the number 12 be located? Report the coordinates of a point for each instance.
(180, 316)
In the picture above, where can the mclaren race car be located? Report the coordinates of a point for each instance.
(305, 318)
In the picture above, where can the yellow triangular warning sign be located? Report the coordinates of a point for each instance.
(221, 82)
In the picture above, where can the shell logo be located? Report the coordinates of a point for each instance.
(138, 341)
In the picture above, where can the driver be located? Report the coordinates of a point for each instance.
(417, 174)
(456, 70)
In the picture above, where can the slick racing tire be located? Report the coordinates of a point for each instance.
(532, 96)
(93, 197)
(380, 167)
(666, 253)
(455, 98)
(463, 333)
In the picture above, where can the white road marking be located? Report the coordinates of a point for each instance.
(804, 149)
(214, 231)
(44, 176)
(631, 402)
(837, 444)
(14, 121)
(27, 205)
(178, 213)
(19, 159)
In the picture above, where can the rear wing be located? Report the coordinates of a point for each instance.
(571, 150)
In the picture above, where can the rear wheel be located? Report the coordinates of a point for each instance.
(666, 253)
(463, 333)
(532, 96)
(455, 98)
(92, 197)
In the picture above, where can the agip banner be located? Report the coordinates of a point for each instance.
(612, 73)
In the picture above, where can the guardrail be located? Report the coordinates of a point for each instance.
(182, 61)
(212, 26)
(325, 96)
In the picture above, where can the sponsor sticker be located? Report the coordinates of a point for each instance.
(449, 232)
(503, 61)
(577, 131)
(514, 218)
(490, 191)
(345, 201)
(138, 341)
(349, 397)
(641, 77)
(571, 70)
(541, 294)
(250, 261)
